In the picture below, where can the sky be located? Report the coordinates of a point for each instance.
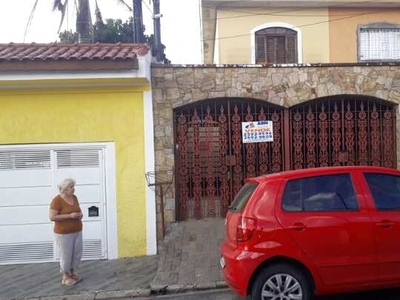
(180, 24)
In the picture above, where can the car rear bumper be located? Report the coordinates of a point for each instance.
(237, 267)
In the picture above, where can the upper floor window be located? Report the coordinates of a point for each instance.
(276, 45)
(379, 42)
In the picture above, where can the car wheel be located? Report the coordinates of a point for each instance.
(281, 282)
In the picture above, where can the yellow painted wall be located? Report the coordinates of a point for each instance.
(89, 115)
(234, 28)
(343, 29)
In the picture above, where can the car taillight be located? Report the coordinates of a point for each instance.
(245, 229)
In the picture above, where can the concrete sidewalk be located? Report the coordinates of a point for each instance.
(187, 260)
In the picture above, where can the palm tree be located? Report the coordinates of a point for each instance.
(84, 26)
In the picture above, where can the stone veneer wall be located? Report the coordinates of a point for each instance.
(174, 86)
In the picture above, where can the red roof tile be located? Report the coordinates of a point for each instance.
(70, 52)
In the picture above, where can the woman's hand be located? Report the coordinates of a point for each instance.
(76, 215)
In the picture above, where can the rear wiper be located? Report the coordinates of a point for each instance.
(232, 207)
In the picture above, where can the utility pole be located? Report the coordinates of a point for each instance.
(159, 51)
(138, 36)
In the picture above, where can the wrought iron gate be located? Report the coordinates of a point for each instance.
(340, 131)
(212, 162)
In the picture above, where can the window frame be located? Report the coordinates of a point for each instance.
(267, 38)
(271, 25)
(372, 26)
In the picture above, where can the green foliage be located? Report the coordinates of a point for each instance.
(68, 37)
(112, 31)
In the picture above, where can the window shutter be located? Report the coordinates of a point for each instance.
(271, 50)
(280, 50)
(291, 49)
(260, 48)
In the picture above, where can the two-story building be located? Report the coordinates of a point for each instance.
(325, 74)
(297, 31)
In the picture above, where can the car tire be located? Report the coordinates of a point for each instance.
(270, 284)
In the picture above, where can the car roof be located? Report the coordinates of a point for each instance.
(320, 171)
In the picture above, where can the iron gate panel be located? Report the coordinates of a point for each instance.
(211, 160)
(338, 131)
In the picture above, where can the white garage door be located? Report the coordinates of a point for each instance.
(28, 181)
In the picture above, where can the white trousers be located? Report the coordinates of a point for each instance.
(70, 248)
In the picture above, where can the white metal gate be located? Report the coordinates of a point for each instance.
(28, 181)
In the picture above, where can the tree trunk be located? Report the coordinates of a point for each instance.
(84, 26)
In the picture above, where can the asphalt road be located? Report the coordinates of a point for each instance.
(226, 294)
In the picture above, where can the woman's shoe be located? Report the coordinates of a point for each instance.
(68, 281)
(76, 277)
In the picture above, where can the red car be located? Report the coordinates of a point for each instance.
(295, 234)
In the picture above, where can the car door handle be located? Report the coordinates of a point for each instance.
(385, 224)
(298, 227)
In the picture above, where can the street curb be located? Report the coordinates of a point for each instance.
(183, 288)
(134, 293)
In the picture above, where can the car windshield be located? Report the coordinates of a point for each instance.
(242, 197)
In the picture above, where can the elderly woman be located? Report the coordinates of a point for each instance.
(66, 214)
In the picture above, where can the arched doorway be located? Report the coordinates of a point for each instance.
(211, 160)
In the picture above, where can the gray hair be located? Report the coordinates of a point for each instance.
(64, 183)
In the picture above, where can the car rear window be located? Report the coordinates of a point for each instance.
(385, 190)
(320, 193)
(242, 197)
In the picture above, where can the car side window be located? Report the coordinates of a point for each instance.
(385, 190)
(320, 193)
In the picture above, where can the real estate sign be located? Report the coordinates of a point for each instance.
(257, 132)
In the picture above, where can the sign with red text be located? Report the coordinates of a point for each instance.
(257, 132)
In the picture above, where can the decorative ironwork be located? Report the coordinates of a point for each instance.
(250, 150)
(277, 144)
(349, 130)
(323, 138)
(237, 151)
(297, 141)
(310, 137)
(262, 149)
(183, 181)
(196, 171)
(336, 136)
(362, 137)
(349, 135)
(212, 161)
(224, 172)
(212, 158)
(375, 137)
(209, 124)
(388, 139)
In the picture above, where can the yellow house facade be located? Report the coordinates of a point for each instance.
(270, 32)
(83, 112)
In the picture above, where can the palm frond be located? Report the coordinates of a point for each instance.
(30, 18)
(61, 7)
(57, 5)
(122, 2)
